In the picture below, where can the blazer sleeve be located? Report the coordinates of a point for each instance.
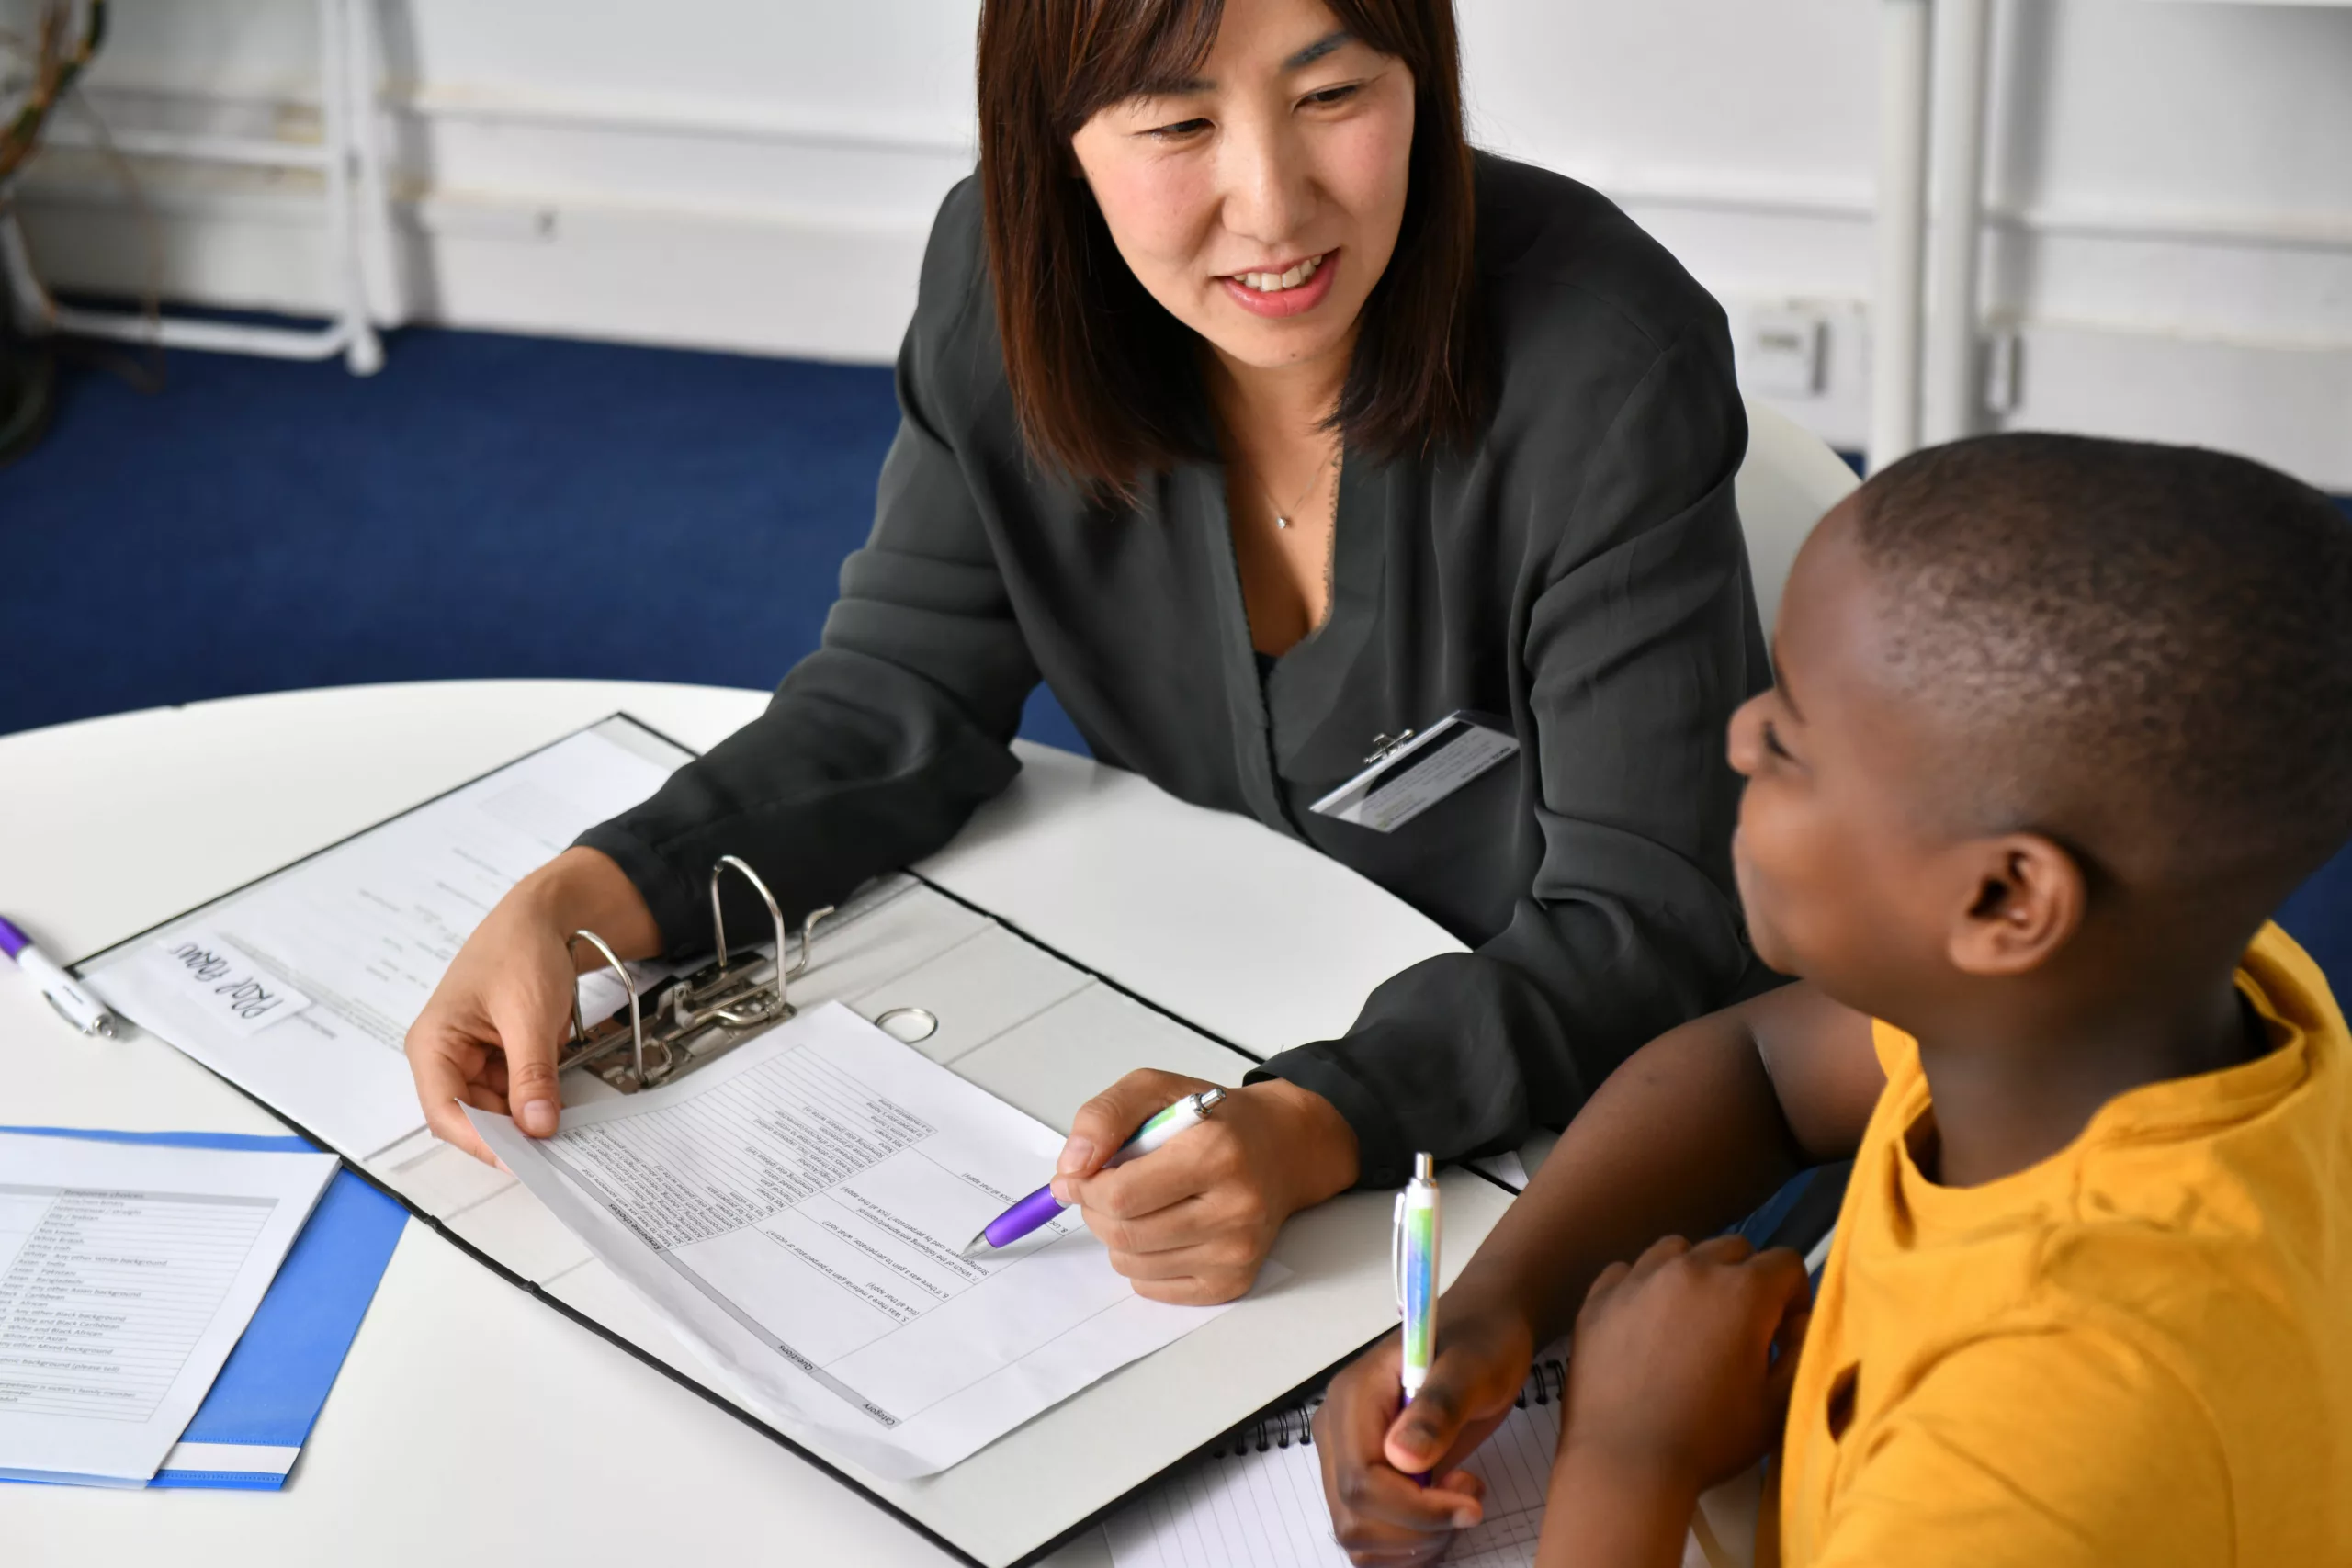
(1639, 646)
(877, 745)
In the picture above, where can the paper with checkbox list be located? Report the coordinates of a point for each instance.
(795, 1211)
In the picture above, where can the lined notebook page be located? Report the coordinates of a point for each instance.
(1266, 1510)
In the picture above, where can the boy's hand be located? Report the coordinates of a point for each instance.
(1373, 1454)
(1673, 1374)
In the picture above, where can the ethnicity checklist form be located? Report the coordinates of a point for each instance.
(795, 1211)
(127, 1273)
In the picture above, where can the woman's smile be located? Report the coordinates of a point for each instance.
(1294, 290)
(1234, 186)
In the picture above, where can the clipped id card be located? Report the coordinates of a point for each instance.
(1409, 776)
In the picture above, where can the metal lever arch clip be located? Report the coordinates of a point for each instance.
(695, 1017)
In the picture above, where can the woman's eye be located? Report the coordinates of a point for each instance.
(1178, 130)
(1331, 96)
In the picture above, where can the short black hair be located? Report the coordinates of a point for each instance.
(2150, 646)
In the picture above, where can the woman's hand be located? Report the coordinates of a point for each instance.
(490, 1034)
(1674, 1387)
(1373, 1453)
(1192, 1221)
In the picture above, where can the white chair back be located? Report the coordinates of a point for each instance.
(1790, 478)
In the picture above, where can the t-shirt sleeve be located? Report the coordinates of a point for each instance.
(2059, 1450)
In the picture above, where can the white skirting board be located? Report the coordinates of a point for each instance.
(827, 282)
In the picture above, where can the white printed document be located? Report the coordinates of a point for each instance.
(302, 989)
(795, 1212)
(127, 1273)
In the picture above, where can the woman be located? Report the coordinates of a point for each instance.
(1250, 409)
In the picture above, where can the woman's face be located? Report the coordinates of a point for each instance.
(1259, 202)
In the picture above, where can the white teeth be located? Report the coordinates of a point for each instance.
(1276, 282)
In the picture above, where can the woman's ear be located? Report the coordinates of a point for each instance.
(2027, 902)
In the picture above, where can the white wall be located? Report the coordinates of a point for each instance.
(2171, 183)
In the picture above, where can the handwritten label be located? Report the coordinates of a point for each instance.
(224, 983)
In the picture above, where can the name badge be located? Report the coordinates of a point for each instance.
(222, 983)
(1414, 773)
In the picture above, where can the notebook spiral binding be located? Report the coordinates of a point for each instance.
(1295, 1426)
(1279, 1429)
(1545, 1384)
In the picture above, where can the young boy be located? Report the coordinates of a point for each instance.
(2059, 721)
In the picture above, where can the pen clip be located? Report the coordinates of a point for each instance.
(1397, 1253)
(102, 1026)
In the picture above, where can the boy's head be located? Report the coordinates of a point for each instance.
(2045, 694)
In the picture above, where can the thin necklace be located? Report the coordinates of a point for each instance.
(1282, 512)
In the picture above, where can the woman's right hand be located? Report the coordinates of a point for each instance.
(489, 1036)
(1372, 1451)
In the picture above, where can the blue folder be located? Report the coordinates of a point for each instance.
(250, 1426)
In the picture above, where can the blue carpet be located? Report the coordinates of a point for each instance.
(487, 506)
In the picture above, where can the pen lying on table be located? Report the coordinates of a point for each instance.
(74, 1004)
(1041, 1206)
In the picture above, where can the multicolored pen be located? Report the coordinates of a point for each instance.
(1041, 1206)
(1413, 1259)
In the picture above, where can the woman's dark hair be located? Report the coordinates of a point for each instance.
(1101, 374)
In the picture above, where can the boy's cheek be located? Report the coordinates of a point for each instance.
(1781, 870)
(1764, 934)
(1760, 854)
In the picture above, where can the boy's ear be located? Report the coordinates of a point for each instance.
(2027, 902)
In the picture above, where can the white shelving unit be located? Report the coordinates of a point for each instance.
(1926, 372)
(350, 165)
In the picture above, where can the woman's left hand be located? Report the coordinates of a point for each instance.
(1192, 1221)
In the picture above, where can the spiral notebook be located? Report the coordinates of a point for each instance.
(1257, 1497)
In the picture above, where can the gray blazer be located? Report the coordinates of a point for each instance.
(1580, 572)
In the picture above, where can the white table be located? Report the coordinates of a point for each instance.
(471, 1424)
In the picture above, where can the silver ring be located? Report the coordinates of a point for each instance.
(908, 1026)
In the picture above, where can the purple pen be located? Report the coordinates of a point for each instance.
(1040, 1207)
(74, 1004)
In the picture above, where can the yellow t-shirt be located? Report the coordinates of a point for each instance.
(2138, 1351)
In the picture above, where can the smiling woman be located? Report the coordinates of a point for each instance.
(1258, 176)
(1270, 426)
(1289, 184)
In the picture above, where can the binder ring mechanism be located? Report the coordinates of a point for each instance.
(695, 1017)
